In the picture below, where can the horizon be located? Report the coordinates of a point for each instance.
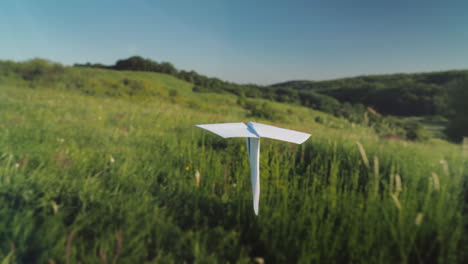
(240, 83)
(263, 43)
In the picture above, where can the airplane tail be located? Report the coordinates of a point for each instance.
(253, 148)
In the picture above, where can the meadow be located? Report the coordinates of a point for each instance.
(88, 175)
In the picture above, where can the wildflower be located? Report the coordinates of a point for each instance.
(259, 260)
(445, 167)
(55, 207)
(69, 244)
(396, 201)
(419, 218)
(111, 159)
(436, 182)
(197, 178)
(363, 154)
(187, 168)
(398, 186)
(23, 162)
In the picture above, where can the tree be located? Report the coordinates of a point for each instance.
(458, 122)
(135, 63)
(167, 67)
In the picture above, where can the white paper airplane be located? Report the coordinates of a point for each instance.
(253, 132)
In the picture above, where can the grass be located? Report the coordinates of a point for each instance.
(112, 179)
(435, 127)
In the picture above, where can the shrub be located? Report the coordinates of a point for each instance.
(264, 110)
(173, 93)
(320, 102)
(36, 68)
(416, 132)
(318, 120)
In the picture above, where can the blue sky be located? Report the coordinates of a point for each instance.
(244, 41)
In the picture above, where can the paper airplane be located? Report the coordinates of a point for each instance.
(253, 132)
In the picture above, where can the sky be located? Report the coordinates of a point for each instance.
(256, 41)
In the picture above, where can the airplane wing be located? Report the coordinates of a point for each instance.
(229, 130)
(278, 133)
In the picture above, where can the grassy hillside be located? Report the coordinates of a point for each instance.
(100, 166)
(414, 94)
(427, 96)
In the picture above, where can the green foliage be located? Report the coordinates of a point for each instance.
(38, 68)
(87, 178)
(137, 63)
(320, 102)
(261, 109)
(420, 94)
(416, 132)
(202, 89)
(265, 111)
(319, 120)
(173, 93)
(32, 70)
(287, 95)
(203, 84)
(458, 125)
(42, 74)
(96, 82)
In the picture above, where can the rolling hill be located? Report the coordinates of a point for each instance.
(409, 94)
(417, 103)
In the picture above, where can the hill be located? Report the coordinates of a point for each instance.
(417, 94)
(423, 97)
(100, 166)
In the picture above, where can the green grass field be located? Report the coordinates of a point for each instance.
(95, 175)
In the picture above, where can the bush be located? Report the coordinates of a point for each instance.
(319, 120)
(37, 68)
(417, 132)
(136, 86)
(173, 93)
(263, 110)
(7, 67)
(320, 102)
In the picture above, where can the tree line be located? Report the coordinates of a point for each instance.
(203, 83)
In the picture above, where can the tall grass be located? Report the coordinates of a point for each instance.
(103, 180)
